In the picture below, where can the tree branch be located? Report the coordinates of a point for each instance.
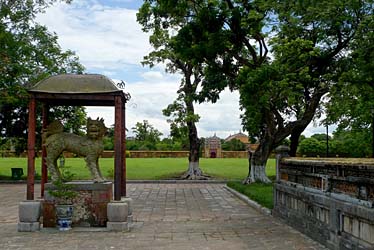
(278, 117)
(263, 48)
(250, 48)
(244, 61)
(305, 119)
(242, 38)
(229, 3)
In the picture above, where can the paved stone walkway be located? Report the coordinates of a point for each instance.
(167, 216)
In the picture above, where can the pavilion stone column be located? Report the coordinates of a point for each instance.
(119, 215)
(29, 216)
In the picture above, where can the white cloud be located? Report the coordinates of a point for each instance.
(109, 41)
(222, 117)
(314, 128)
(148, 100)
(152, 75)
(105, 38)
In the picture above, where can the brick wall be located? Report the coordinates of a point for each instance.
(182, 154)
(142, 154)
(234, 154)
(330, 200)
(158, 154)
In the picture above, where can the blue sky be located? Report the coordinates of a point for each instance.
(108, 40)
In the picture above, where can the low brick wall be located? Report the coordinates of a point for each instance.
(7, 153)
(234, 154)
(139, 154)
(330, 200)
(180, 154)
(158, 154)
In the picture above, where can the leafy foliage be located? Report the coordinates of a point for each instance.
(146, 134)
(108, 140)
(179, 116)
(63, 191)
(163, 19)
(233, 145)
(352, 143)
(320, 137)
(352, 99)
(312, 147)
(280, 95)
(344, 143)
(28, 53)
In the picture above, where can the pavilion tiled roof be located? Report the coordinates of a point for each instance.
(75, 84)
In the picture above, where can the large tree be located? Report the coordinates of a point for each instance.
(29, 53)
(309, 45)
(167, 49)
(281, 93)
(146, 133)
(352, 98)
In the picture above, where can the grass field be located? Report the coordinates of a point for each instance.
(146, 168)
(259, 192)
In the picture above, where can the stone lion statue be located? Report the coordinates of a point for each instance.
(90, 146)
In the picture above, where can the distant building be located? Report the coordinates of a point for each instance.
(239, 136)
(252, 147)
(212, 147)
(244, 139)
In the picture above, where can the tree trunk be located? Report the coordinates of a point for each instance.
(247, 179)
(194, 172)
(295, 136)
(257, 166)
(273, 134)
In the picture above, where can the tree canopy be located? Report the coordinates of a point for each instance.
(146, 132)
(167, 49)
(352, 99)
(344, 143)
(282, 56)
(233, 145)
(29, 53)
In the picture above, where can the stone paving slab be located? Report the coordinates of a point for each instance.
(166, 216)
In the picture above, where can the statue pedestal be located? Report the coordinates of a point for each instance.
(90, 204)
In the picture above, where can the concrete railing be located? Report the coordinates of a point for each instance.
(330, 200)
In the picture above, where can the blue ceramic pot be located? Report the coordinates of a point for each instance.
(64, 214)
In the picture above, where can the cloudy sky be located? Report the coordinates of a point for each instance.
(108, 40)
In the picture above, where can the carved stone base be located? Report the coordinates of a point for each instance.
(120, 215)
(29, 216)
(29, 211)
(117, 211)
(90, 205)
(28, 226)
(118, 226)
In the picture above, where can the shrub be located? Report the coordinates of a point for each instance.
(311, 147)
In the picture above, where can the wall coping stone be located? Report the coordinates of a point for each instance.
(329, 161)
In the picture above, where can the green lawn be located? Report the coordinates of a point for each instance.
(146, 168)
(259, 192)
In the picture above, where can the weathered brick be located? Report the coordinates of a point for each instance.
(337, 197)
